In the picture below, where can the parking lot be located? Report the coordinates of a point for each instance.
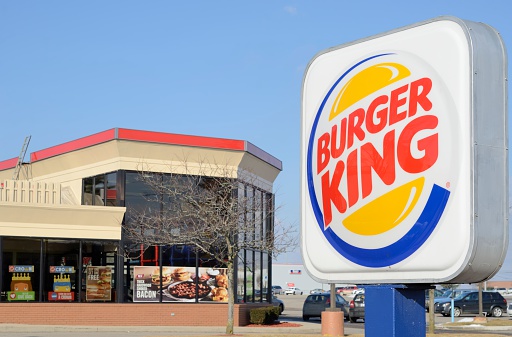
(293, 312)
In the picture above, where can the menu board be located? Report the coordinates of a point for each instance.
(179, 284)
(98, 285)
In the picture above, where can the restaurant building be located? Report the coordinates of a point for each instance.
(61, 235)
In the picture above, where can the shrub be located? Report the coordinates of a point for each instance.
(265, 315)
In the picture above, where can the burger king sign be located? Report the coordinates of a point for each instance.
(404, 157)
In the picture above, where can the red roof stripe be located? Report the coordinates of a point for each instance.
(9, 163)
(177, 139)
(73, 145)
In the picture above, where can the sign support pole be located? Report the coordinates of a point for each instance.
(395, 310)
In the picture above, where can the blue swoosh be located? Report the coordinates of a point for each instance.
(403, 248)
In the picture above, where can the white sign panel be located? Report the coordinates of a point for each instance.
(404, 160)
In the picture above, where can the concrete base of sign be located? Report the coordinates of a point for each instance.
(332, 323)
(395, 310)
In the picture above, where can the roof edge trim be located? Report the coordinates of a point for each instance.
(73, 145)
(8, 164)
(150, 137)
(265, 156)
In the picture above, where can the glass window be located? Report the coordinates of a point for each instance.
(252, 268)
(249, 275)
(257, 277)
(241, 286)
(61, 270)
(250, 212)
(269, 214)
(139, 196)
(98, 271)
(99, 191)
(111, 192)
(21, 269)
(258, 215)
(340, 299)
(147, 281)
(264, 276)
(87, 191)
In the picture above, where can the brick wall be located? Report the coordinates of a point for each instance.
(499, 284)
(124, 314)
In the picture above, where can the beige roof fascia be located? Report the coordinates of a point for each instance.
(77, 222)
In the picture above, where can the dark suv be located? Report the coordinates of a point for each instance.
(316, 303)
(494, 304)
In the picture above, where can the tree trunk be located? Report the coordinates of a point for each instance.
(231, 300)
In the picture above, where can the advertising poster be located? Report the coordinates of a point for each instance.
(99, 283)
(21, 284)
(61, 283)
(179, 284)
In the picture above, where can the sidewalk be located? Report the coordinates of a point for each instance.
(313, 328)
(305, 328)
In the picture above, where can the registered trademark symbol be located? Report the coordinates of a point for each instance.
(448, 185)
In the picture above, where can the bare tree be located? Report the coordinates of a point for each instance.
(451, 286)
(213, 208)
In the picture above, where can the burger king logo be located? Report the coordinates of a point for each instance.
(380, 158)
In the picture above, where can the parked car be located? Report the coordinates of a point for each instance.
(276, 302)
(437, 294)
(293, 291)
(277, 290)
(452, 293)
(509, 310)
(358, 291)
(356, 308)
(493, 304)
(317, 291)
(316, 303)
(346, 290)
(502, 291)
(447, 296)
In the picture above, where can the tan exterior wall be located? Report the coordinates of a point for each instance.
(30, 192)
(68, 169)
(85, 222)
(128, 314)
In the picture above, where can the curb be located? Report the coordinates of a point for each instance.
(475, 326)
(173, 330)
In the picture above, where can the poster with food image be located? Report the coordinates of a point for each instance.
(99, 283)
(179, 284)
(147, 283)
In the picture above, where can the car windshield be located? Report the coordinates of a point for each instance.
(316, 298)
(340, 299)
(459, 296)
(447, 293)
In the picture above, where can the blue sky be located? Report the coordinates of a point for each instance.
(230, 69)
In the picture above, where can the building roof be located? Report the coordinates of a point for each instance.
(148, 137)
